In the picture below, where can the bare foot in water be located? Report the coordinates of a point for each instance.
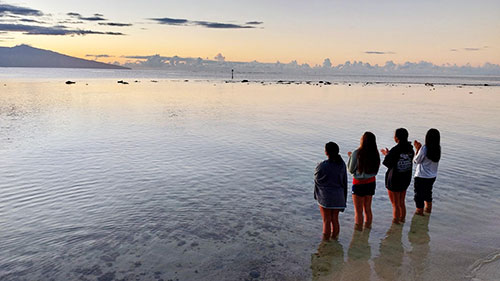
(395, 221)
(419, 211)
(358, 227)
(368, 225)
(428, 207)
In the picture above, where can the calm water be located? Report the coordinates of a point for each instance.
(204, 180)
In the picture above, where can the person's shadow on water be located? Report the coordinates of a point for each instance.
(328, 262)
(358, 256)
(388, 263)
(419, 239)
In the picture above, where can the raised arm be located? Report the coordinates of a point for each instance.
(420, 156)
(352, 163)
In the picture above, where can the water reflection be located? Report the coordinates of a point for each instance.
(419, 239)
(328, 262)
(358, 255)
(388, 263)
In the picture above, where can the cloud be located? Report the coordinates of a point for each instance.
(254, 22)
(219, 57)
(379, 53)
(22, 19)
(95, 17)
(207, 24)
(31, 21)
(171, 21)
(221, 25)
(356, 67)
(17, 10)
(53, 30)
(99, 56)
(115, 24)
(70, 22)
(137, 57)
(470, 49)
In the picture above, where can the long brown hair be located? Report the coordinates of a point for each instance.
(368, 157)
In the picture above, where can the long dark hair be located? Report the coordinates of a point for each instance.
(368, 157)
(332, 149)
(432, 143)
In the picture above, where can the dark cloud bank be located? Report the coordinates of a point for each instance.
(52, 30)
(6, 9)
(207, 24)
(34, 22)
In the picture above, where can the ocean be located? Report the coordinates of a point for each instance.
(191, 176)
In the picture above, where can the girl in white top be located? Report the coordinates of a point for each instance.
(427, 160)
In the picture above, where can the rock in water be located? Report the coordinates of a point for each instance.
(254, 274)
(70, 82)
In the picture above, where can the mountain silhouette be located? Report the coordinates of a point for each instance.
(27, 56)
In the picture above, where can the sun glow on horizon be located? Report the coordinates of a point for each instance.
(440, 32)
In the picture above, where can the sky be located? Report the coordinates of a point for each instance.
(441, 32)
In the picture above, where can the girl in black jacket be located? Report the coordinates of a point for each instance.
(399, 163)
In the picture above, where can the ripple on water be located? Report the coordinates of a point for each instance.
(103, 183)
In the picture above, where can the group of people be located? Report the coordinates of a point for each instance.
(330, 178)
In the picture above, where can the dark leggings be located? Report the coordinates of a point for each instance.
(423, 191)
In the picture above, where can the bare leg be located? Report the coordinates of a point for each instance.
(327, 223)
(428, 207)
(395, 210)
(367, 207)
(402, 206)
(358, 211)
(335, 224)
(419, 211)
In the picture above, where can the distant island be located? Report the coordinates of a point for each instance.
(27, 56)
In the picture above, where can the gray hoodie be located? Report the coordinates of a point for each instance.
(330, 184)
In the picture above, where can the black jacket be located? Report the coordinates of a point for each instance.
(399, 163)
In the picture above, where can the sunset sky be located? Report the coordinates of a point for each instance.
(267, 31)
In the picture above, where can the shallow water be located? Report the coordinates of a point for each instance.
(213, 181)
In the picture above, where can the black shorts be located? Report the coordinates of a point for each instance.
(398, 189)
(366, 189)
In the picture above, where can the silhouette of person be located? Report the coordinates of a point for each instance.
(388, 263)
(328, 262)
(358, 255)
(419, 239)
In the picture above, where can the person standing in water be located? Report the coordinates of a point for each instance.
(363, 165)
(399, 165)
(330, 190)
(427, 160)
